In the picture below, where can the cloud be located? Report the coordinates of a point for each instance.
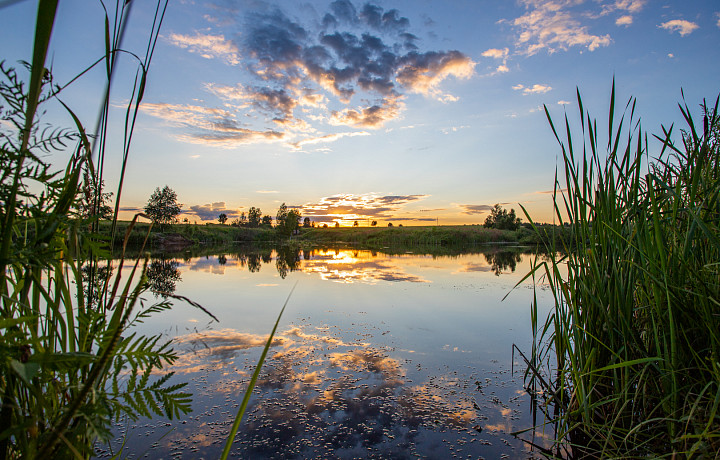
(624, 20)
(373, 116)
(208, 46)
(475, 208)
(211, 211)
(266, 191)
(717, 15)
(354, 207)
(681, 26)
(553, 26)
(562, 102)
(206, 125)
(626, 7)
(496, 53)
(534, 89)
(355, 71)
(327, 138)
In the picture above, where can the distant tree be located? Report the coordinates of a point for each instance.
(242, 220)
(292, 223)
(374, 223)
(306, 222)
(324, 225)
(312, 224)
(267, 221)
(281, 216)
(186, 220)
(389, 224)
(254, 217)
(162, 207)
(355, 224)
(222, 218)
(399, 225)
(501, 219)
(337, 224)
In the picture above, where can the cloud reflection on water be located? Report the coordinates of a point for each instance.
(323, 396)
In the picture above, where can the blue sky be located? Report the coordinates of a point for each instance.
(411, 112)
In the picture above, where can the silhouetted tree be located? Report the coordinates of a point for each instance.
(162, 207)
(355, 224)
(222, 218)
(374, 223)
(337, 224)
(389, 224)
(267, 221)
(281, 216)
(324, 225)
(306, 222)
(501, 219)
(254, 217)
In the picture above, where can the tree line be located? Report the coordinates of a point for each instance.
(163, 209)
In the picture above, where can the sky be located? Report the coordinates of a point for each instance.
(414, 112)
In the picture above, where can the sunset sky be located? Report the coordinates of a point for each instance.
(403, 111)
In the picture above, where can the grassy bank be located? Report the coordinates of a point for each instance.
(371, 237)
(629, 358)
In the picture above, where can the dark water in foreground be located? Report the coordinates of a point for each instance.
(377, 355)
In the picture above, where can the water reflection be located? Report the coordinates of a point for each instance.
(338, 265)
(392, 355)
(163, 276)
(323, 396)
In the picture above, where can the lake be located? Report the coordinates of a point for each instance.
(378, 354)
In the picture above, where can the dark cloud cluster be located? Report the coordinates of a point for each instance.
(475, 208)
(362, 59)
(211, 211)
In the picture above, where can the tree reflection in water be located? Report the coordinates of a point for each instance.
(163, 276)
(287, 260)
(502, 260)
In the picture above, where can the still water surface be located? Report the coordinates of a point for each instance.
(378, 355)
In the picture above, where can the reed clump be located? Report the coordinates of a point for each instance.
(628, 360)
(70, 361)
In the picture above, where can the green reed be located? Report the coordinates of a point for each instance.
(70, 362)
(628, 360)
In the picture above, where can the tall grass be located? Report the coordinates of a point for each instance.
(628, 359)
(70, 362)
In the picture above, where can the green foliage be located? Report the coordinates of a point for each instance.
(501, 219)
(254, 218)
(162, 207)
(287, 221)
(629, 355)
(69, 360)
(222, 218)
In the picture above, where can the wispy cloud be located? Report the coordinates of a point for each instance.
(266, 191)
(680, 26)
(475, 208)
(327, 138)
(208, 46)
(206, 125)
(356, 70)
(534, 89)
(554, 25)
(495, 53)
